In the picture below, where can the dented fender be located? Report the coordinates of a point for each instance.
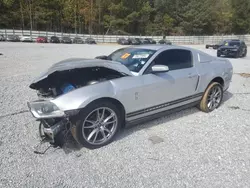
(81, 97)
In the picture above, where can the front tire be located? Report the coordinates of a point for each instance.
(237, 55)
(212, 97)
(218, 54)
(97, 124)
(245, 54)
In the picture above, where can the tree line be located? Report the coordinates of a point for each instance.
(130, 17)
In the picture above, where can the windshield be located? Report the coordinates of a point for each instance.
(234, 43)
(133, 58)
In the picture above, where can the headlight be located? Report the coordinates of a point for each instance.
(44, 109)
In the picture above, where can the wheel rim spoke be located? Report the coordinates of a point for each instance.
(108, 118)
(108, 123)
(95, 136)
(104, 135)
(97, 115)
(209, 104)
(92, 134)
(103, 113)
(107, 130)
(93, 124)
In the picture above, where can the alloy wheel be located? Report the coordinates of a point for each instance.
(214, 98)
(99, 126)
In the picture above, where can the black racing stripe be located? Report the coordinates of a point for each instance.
(160, 106)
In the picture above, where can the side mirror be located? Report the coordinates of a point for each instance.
(102, 57)
(159, 68)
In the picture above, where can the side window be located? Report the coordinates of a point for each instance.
(175, 59)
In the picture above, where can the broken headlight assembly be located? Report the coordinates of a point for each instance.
(45, 109)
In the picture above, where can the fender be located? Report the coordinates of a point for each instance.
(81, 97)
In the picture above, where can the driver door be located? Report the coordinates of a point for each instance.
(179, 83)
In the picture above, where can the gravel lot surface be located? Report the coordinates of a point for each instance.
(185, 149)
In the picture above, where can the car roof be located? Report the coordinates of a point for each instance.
(155, 46)
(233, 40)
(158, 47)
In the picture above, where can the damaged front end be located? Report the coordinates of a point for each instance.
(57, 114)
(54, 123)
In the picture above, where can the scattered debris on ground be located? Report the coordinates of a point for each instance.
(156, 139)
(245, 75)
(234, 107)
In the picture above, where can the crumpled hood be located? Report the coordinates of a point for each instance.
(75, 63)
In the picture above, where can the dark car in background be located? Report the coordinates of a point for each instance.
(164, 41)
(41, 39)
(133, 41)
(123, 41)
(66, 40)
(90, 41)
(54, 39)
(13, 38)
(78, 40)
(233, 48)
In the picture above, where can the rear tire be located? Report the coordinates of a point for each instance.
(93, 132)
(212, 97)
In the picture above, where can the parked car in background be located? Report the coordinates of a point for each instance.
(216, 46)
(54, 39)
(144, 41)
(123, 41)
(2, 38)
(41, 39)
(233, 48)
(26, 38)
(13, 38)
(133, 41)
(90, 41)
(94, 98)
(78, 40)
(164, 41)
(66, 40)
(150, 40)
(138, 40)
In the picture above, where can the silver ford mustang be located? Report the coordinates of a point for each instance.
(94, 98)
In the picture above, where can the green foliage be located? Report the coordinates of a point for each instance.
(145, 17)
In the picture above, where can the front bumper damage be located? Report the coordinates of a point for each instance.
(54, 125)
(50, 133)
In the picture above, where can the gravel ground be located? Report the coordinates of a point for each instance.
(185, 149)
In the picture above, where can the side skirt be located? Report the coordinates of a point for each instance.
(160, 114)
